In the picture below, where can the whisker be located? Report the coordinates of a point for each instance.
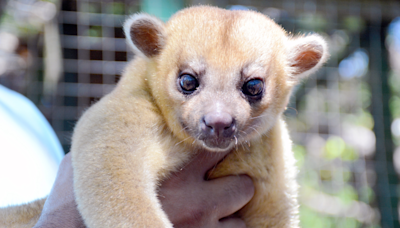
(182, 141)
(184, 129)
(244, 133)
(196, 139)
(244, 148)
(261, 116)
(256, 131)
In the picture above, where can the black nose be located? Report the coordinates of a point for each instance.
(219, 124)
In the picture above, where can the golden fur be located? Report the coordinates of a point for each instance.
(133, 138)
(21, 216)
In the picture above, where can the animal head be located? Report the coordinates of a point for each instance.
(222, 77)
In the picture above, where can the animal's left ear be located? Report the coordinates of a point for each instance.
(145, 34)
(306, 55)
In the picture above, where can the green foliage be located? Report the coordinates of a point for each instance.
(310, 179)
(394, 101)
(373, 226)
(354, 24)
(52, 1)
(313, 219)
(299, 153)
(349, 154)
(347, 194)
(8, 23)
(364, 94)
(314, 22)
(95, 31)
(117, 8)
(362, 118)
(394, 106)
(346, 174)
(347, 223)
(90, 7)
(330, 168)
(394, 83)
(325, 174)
(330, 173)
(367, 194)
(336, 147)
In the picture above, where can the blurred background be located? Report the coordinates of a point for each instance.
(344, 120)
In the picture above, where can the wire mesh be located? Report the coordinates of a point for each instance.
(94, 56)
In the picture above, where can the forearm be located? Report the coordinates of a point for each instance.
(65, 216)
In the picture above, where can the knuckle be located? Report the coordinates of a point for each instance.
(233, 222)
(240, 223)
(243, 186)
(248, 186)
(196, 214)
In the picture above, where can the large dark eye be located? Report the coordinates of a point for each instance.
(253, 87)
(188, 83)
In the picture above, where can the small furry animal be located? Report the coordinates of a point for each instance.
(208, 80)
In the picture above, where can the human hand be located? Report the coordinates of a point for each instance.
(60, 209)
(191, 201)
(188, 199)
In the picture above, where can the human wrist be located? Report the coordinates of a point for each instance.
(65, 216)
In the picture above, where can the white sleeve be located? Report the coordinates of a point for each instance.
(29, 151)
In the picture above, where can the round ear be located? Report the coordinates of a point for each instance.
(306, 55)
(145, 34)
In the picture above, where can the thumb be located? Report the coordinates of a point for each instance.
(203, 161)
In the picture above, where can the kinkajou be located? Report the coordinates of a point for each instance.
(208, 80)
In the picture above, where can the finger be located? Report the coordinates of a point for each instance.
(60, 206)
(232, 223)
(62, 190)
(65, 169)
(204, 161)
(231, 193)
(64, 179)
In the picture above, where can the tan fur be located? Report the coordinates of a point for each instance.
(133, 138)
(22, 216)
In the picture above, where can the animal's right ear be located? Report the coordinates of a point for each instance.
(145, 34)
